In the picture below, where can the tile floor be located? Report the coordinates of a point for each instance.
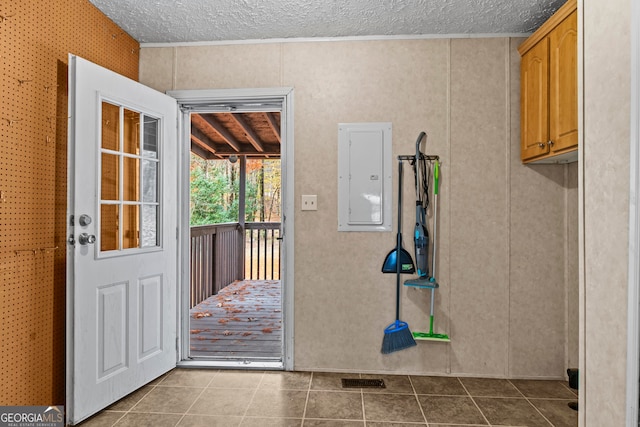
(190, 397)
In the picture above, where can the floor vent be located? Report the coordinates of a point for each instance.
(360, 383)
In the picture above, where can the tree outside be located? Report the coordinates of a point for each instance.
(215, 187)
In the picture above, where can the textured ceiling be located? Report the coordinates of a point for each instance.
(179, 21)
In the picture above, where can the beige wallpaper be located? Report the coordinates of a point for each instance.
(607, 65)
(503, 257)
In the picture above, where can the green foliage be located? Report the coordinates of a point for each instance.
(252, 202)
(215, 191)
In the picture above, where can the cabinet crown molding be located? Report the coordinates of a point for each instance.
(555, 19)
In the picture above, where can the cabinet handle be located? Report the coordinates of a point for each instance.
(541, 144)
(550, 143)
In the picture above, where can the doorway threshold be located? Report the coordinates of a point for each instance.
(233, 364)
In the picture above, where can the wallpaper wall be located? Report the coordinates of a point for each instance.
(508, 260)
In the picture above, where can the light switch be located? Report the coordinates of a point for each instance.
(309, 202)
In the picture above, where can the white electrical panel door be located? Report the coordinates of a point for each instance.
(365, 177)
(364, 151)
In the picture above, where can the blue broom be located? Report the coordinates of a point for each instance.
(397, 335)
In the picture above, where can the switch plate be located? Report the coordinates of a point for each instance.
(309, 202)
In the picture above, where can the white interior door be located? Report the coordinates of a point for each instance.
(122, 254)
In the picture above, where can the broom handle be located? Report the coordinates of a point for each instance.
(398, 292)
(399, 240)
(436, 181)
(433, 295)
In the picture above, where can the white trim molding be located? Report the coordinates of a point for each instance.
(206, 99)
(633, 318)
(337, 39)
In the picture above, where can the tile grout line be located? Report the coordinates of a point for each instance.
(565, 385)
(474, 401)
(539, 411)
(514, 386)
(415, 394)
(136, 404)
(306, 402)
(196, 399)
(364, 414)
(529, 402)
(244, 416)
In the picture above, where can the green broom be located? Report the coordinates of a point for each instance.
(397, 335)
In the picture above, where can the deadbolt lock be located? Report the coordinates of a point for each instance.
(84, 220)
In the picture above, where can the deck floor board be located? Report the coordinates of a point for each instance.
(244, 320)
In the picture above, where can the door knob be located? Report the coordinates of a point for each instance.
(86, 239)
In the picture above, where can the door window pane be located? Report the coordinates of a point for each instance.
(110, 178)
(149, 226)
(150, 145)
(130, 226)
(149, 180)
(110, 126)
(129, 189)
(131, 179)
(131, 132)
(109, 228)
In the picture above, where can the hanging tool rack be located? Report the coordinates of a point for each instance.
(422, 157)
(427, 282)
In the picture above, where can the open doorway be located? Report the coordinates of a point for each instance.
(248, 259)
(235, 298)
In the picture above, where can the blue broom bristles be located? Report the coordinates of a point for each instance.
(397, 336)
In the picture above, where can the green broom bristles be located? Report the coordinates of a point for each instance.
(397, 336)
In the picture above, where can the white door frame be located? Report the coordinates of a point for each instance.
(204, 97)
(633, 317)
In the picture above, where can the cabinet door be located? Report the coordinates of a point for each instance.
(534, 99)
(563, 85)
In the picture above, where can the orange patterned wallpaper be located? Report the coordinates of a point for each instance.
(35, 39)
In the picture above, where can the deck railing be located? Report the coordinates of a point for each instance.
(262, 248)
(223, 253)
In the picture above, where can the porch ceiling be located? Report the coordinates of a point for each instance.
(219, 135)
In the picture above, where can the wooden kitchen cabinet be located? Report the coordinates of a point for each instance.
(548, 97)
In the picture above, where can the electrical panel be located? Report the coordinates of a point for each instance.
(364, 177)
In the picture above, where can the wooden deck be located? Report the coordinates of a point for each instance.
(243, 321)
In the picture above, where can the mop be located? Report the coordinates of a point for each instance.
(432, 283)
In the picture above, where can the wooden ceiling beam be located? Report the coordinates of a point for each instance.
(201, 152)
(254, 139)
(202, 140)
(273, 124)
(220, 130)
